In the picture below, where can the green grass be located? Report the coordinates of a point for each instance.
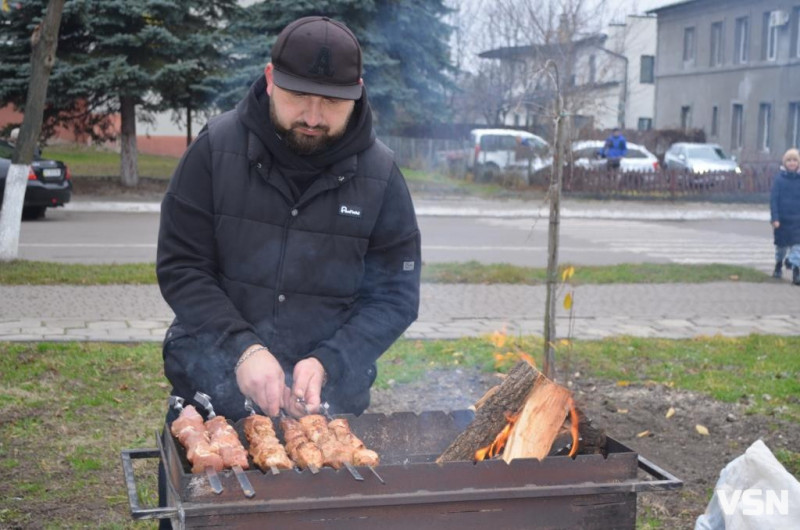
(96, 162)
(763, 371)
(68, 409)
(473, 272)
(22, 272)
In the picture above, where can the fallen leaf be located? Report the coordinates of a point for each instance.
(734, 277)
(567, 273)
(670, 413)
(568, 301)
(622, 411)
(701, 429)
(623, 383)
(643, 434)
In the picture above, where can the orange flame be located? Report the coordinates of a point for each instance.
(574, 428)
(494, 448)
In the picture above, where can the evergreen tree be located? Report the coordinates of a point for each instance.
(405, 46)
(119, 55)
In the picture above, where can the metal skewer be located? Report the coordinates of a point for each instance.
(248, 406)
(176, 402)
(244, 482)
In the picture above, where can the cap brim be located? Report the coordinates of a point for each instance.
(299, 84)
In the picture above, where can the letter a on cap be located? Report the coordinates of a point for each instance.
(322, 64)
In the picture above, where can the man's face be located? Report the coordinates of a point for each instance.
(307, 122)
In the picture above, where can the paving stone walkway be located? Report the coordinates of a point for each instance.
(138, 313)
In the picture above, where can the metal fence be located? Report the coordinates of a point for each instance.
(422, 153)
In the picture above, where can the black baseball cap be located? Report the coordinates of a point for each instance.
(317, 55)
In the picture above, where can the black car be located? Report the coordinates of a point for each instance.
(49, 183)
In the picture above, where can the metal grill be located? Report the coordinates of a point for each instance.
(590, 491)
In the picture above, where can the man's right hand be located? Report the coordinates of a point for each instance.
(260, 377)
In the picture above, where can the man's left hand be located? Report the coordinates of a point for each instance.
(308, 378)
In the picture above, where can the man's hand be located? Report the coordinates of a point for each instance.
(776, 224)
(260, 377)
(308, 377)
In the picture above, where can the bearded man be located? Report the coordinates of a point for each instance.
(288, 246)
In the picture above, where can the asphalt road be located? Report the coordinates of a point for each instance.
(102, 237)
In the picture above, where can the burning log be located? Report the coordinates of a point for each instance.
(522, 418)
(490, 413)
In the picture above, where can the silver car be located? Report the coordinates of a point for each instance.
(707, 163)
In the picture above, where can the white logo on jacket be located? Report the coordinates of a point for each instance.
(350, 211)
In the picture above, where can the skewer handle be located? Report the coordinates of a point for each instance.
(353, 471)
(376, 475)
(213, 480)
(244, 482)
(205, 400)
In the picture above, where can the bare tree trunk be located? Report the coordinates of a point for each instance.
(188, 124)
(44, 41)
(129, 165)
(553, 234)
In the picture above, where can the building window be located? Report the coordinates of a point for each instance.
(794, 125)
(716, 44)
(714, 121)
(646, 69)
(770, 38)
(737, 127)
(796, 30)
(592, 69)
(645, 124)
(741, 52)
(686, 117)
(688, 45)
(764, 126)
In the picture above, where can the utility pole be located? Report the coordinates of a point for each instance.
(44, 41)
(553, 229)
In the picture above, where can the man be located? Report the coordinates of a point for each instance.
(288, 247)
(615, 149)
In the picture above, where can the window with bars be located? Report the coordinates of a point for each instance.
(645, 124)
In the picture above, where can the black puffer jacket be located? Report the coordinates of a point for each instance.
(785, 207)
(333, 273)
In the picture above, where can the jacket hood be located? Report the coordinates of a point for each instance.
(253, 111)
(794, 175)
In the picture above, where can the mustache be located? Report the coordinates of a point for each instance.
(304, 125)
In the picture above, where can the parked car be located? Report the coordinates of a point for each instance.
(491, 152)
(705, 163)
(49, 183)
(589, 154)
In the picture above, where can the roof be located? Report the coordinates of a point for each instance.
(545, 49)
(670, 6)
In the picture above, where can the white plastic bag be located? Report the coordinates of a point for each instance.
(754, 492)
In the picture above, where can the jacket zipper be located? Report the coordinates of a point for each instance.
(275, 302)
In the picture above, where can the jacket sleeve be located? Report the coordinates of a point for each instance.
(186, 263)
(773, 200)
(388, 297)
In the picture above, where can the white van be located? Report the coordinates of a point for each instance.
(497, 151)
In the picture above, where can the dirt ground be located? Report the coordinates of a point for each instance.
(624, 412)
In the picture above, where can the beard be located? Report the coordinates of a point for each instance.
(303, 144)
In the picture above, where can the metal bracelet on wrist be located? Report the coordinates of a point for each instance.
(246, 355)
